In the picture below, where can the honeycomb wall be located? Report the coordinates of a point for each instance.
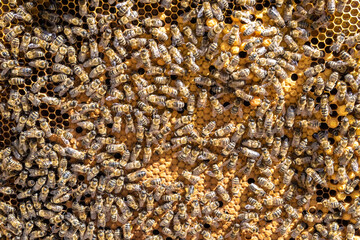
(222, 221)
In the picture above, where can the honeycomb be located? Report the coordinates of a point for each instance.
(179, 119)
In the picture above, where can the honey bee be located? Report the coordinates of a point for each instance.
(234, 35)
(351, 185)
(350, 232)
(21, 71)
(252, 228)
(352, 40)
(60, 55)
(322, 230)
(336, 46)
(323, 21)
(7, 18)
(351, 81)
(284, 227)
(257, 190)
(275, 15)
(12, 33)
(288, 175)
(350, 61)
(266, 183)
(72, 19)
(273, 214)
(41, 64)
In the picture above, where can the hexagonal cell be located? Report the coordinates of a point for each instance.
(346, 16)
(337, 29)
(337, 21)
(353, 28)
(347, 9)
(345, 25)
(354, 12)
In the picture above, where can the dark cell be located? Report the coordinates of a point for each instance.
(319, 199)
(181, 110)
(246, 103)
(251, 180)
(44, 113)
(141, 71)
(348, 199)
(324, 126)
(58, 119)
(79, 129)
(259, 7)
(105, 7)
(334, 114)
(148, 8)
(242, 54)
(226, 104)
(294, 77)
(321, 45)
(327, 49)
(326, 196)
(333, 92)
(154, 12)
(333, 106)
(168, 20)
(112, 9)
(156, 232)
(321, 61)
(228, 20)
(206, 225)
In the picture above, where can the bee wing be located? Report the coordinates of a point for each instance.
(249, 7)
(226, 36)
(200, 12)
(210, 173)
(249, 207)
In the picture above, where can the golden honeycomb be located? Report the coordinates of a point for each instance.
(83, 171)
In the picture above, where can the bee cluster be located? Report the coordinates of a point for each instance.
(179, 120)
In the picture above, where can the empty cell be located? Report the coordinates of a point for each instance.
(337, 21)
(354, 4)
(353, 20)
(337, 29)
(353, 28)
(354, 12)
(345, 24)
(346, 17)
(321, 37)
